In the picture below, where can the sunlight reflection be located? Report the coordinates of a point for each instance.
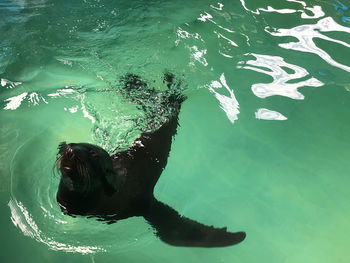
(9, 84)
(305, 35)
(316, 10)
(198, 55)
(183, 34)
(279, 85)
(62, 92)
(228, 104)
(208, 17)
(14, 102)
(226, 38)
(33, 98)
(85, 111)
(219, 7)
(266, 114)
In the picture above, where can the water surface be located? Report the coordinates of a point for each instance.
(263, 139)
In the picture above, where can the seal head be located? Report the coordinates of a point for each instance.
(84, 168)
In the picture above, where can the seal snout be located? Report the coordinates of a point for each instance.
(67, 160)
(73, 166)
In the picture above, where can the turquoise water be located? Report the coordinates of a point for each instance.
(263, 143)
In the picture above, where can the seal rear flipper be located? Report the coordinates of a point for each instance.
(177, 230)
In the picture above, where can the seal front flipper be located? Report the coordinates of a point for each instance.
(177, 230)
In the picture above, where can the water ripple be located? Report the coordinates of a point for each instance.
(22, 219)
(35, 213)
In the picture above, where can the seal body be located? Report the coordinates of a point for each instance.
(93, 183)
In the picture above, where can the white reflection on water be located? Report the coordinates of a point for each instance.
(231, 42)
(305, 35)
(14, 102)
(23, 220)
(198, 55)
(228, 104)
(85, 111)
(9, 84)
(183, 34)
(33, 98)
(62, 92)
(279, 86)
(208, 17)
(266, 114)
(316, 10)
(65, 62)
(72, 109)
(219, 7)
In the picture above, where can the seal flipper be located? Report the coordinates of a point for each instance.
(177, 230)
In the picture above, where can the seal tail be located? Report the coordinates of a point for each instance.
(177, 230)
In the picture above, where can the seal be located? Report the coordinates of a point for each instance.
(120, 186)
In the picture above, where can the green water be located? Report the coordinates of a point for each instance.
(263, 143)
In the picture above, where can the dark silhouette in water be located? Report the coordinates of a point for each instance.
(121, 186)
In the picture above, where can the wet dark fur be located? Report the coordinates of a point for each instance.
(121, 186)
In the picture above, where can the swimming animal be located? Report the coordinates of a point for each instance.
(116, 187)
